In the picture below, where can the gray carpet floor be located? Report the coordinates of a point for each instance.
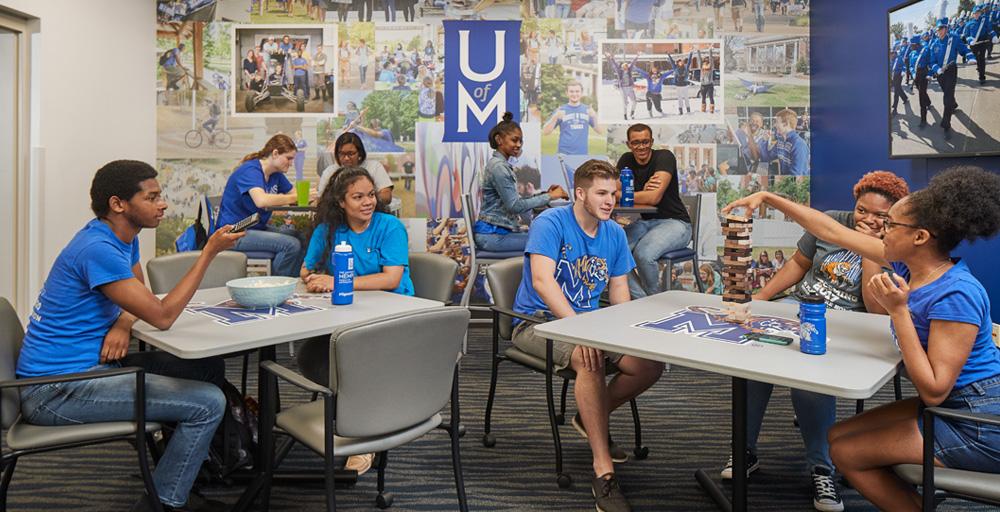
(686, 425)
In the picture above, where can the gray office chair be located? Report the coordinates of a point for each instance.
(26, 439)
(948, 482)
(504, 279)
(165, 272)
(389, 380)
(693, 206)
(477, 258)
(433, 276)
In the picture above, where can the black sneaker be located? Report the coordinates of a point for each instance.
(608, 494)
(618, 454)
(825, 495)
(752, 465)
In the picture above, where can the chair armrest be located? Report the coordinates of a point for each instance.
(69, 377)
(988, 419)
(294, 378)
(514, 314)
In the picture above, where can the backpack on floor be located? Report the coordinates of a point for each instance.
(194, 237)
(234, 445)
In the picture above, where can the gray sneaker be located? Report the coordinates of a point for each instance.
(618, 454)
(608, 495)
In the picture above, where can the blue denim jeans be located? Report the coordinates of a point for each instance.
(816, 413)
(967, 445)
(492, 242)
(177, 391)
(649, 239)
(284, 242)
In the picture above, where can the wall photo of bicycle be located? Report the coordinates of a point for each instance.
(282, 70)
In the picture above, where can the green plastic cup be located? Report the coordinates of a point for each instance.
(302, 191)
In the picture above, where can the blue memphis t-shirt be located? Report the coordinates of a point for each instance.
(584, 264)
(236, 202)
(956, 296)
(574, 129)
(71, 317)
(383, 244)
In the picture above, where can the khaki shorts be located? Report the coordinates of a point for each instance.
(526, 340)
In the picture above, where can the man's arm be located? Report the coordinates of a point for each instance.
(654, 195)
(133, 296)
(593, 121)
(117, 339)
(543, 279)
(552, 122)
(618, 289)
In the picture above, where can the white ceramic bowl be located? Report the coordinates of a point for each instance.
(261, 292)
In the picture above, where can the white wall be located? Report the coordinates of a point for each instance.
(93, 87)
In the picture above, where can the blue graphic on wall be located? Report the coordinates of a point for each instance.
(484, 80)
(230, 313)
(710, 323)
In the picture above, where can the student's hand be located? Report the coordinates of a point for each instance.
(653, 184)
(318, 283)
(864, 228)
(891, 292)
(557, 192)
(750, 203)
(593, 359)
(222, 240)
(115, 344)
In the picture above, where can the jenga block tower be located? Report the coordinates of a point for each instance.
(735, 264)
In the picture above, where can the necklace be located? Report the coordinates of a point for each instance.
(930, 274)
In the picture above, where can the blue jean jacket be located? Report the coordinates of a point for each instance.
(501, 203)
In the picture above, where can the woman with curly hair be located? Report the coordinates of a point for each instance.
(349, 211)
(941, 323)
(835, 273)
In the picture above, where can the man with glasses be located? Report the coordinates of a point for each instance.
(669, 228)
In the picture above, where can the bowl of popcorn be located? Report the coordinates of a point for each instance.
(261, 292)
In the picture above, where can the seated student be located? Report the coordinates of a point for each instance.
(573, 253)
(497, 228)
(669, 228)
(348, 213)
(826, 269)
(349, 151)
(259, 182)
(940, 321)
(82, 322)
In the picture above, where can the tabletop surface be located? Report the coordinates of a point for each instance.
(861, 355)
(202, 331)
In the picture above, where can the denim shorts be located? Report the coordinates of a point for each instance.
(968, 445)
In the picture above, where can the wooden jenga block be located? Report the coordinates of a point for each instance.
(737, 312)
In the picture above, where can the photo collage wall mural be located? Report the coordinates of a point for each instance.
(232, 73)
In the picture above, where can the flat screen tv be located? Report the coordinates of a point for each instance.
(924, 36)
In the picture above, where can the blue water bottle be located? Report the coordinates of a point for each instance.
(628, 187)
(812, 325)
(343, 280)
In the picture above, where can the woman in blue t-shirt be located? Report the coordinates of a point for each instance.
(941, 323)
(498, 227)
(258, 183)
(349, 212)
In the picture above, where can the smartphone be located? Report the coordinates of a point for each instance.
(773, 339)
(246, 223)
(892, 275)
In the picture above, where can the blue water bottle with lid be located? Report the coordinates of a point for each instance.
(812, 325)
(343, 279)
(628, 187)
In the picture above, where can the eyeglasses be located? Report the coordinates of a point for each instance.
(348, 154)
(643, 143)
(888, 224)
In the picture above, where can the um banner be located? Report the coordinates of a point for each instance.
(482, 78)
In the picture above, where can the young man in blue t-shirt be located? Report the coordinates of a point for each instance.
(83, 319)
(573, 253)
(575, 121)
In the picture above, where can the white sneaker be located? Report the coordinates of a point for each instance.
(825, 495)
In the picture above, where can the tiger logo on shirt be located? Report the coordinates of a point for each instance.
(583, 278)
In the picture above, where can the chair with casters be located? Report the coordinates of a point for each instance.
(693, 206)
(26, 439)
(388, 381)
(504, 279)
(477, 258)
(433, 276)
(937, 482)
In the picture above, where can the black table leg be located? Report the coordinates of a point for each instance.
(739, 502)
(265, 445)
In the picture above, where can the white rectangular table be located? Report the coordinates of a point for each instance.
(860, 357)
(195, 336)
